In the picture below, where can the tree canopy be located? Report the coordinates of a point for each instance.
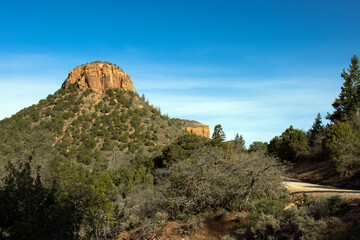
(349, 99)
(290, 145)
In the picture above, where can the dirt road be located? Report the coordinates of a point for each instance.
(295, 187)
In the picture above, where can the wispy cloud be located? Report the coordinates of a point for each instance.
(259, 116)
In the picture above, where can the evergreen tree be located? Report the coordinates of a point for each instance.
(349, 99)
(341, 145)
(317, 128)
(240, 142)
(28, 210)
(291, 145)
(258, 146)
(218, 134)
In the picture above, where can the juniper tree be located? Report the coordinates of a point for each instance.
(291, 145)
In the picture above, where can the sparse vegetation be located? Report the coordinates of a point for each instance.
(313, 221)
(89, 165)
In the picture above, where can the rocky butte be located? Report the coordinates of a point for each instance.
(101, 76)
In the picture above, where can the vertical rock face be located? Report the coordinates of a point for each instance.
(194, 127)
(203, 131)
(99, 76)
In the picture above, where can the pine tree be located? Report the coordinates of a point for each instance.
(218, 134)
(317, 128)
(348, 101)
(240, 142)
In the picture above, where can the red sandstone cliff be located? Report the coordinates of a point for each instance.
(195, 127)
(99, 76)
(203, 130)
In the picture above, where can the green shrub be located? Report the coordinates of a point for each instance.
(135, 122)
(84, 156)
(87, 92)
(341, 148)
(56, 125)
(72, 88)
(181, 149)
(313, 221)
(48, 111)
(90, 143)
(154, 137)
(50, 99)
(112, 102)
(105, 109)
(133, 147)
(75, 122)
(124, 138)
(273, 205)
(291, 145)
(76, 109)
(107, 145)
(110, 92)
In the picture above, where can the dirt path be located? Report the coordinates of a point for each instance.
(296, 187)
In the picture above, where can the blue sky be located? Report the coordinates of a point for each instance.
(255, 67)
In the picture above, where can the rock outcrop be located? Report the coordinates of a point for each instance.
(99, 76)
(197, 128)
(203, 131)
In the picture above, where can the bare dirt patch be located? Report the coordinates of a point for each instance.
(318, 172)
(212, 228)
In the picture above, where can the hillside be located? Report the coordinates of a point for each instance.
(96, 118)
(95, 160)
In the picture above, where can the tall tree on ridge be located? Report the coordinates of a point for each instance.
(349, 99)
(317, 128)
(240, 142)
(218, 134)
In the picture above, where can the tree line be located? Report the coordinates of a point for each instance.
(337, 142)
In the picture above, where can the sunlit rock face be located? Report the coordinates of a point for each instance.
(99, 77)
(201, 130)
